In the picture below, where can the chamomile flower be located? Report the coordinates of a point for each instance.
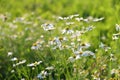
(76, 34)
(88, 53)
(34, 64)
(49, 68)
(14, 59)
(20, 62)
(42, 75)
(67, 31)
(84, 45)
(37, 45)
(89, 28)
(116, 36)
(10, 53)
(73, 58)
(98, 19)
(69, 23)
(48, 27)
(105, 47)
(79, 19)
(117, 27)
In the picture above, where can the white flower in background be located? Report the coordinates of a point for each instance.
(67, 31)
(23, 79)
(19, 19)
(71, 59)
(72, 44)
(14, 59)
(89, 28)
(113, 71)
(60, 18)
(69, 23)
(68, 17)
(47, 27)
(84, 46)
(116, 36)
(117, 27)
(39, 76)
(56, 43)
(105, 47)
(43, 74)
(98, 19)
(49, 68)
(72, 16)
(10, 53)
(77, 34)
(12, 26)
(112, 57)
(78, 52)
(86, 20)
(79, 19)
(88, 53)
(77, 57)
(3, 17)
(21, 62)
(37, 45)
(34, 64)
(12, 71)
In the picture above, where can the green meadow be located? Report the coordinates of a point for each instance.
(59, 40)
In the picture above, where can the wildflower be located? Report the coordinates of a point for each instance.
(14, 59)
(10, 53)
(43, 74)
(79, 19)
(72, 44)
(67, 31)
(115, 36)
(49, 68)
(21, 62)
(60, 18)
(39, 76)
(85, 45)
(72, 16)
(19, 19)
(105, 47)
(42, 36)
(76, 34)
(37, 44)
(34, 64)
(3, 17)
(113, 71)
(90, 28)
(47, 27)
(88, 53)
(98, 19)
(12, 71)
(73, 58)
(69, 23)
(112, 57)
(96, 75)
(104, 67)
(117, 27)
(23, 79)
(57, 42)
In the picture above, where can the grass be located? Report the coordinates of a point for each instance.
(37, 44)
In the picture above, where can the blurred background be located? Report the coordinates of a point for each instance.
(47, 8)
